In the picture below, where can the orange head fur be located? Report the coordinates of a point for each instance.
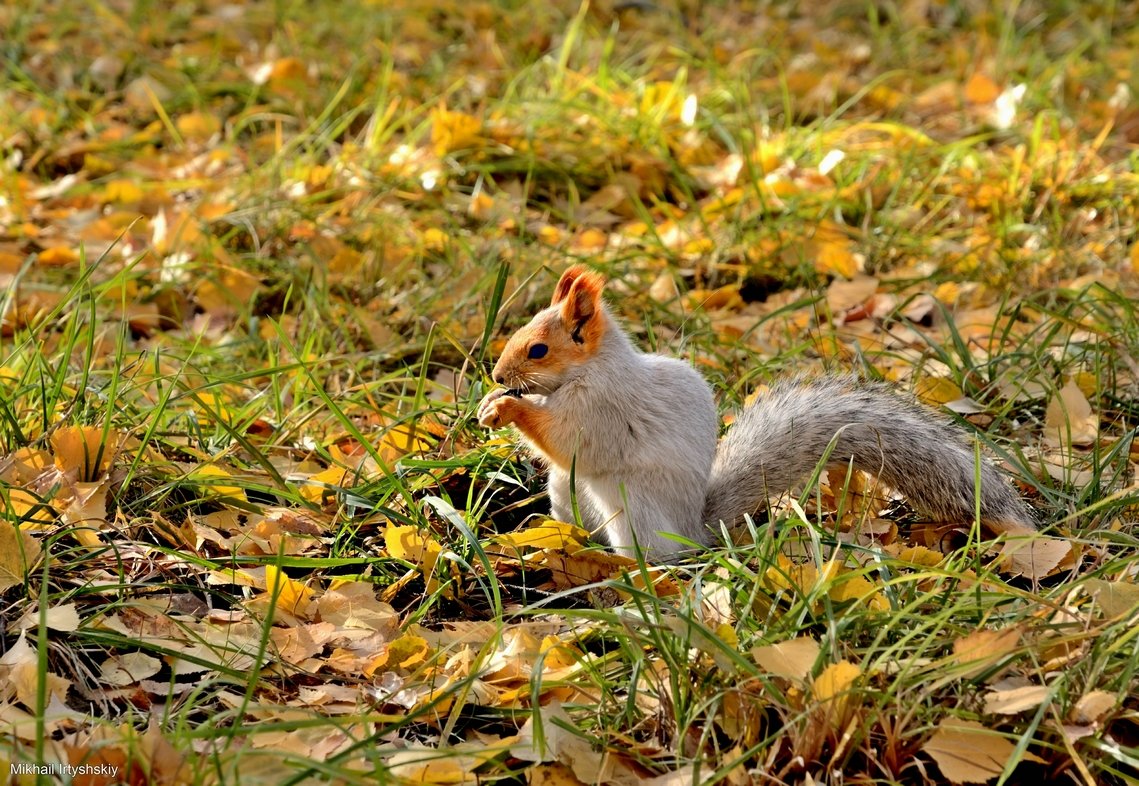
(544, 353)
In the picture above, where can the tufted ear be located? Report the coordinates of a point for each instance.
(566, 281)
(581, 305)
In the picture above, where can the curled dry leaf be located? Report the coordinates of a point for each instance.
(1014, 700)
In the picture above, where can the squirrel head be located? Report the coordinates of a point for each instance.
(544, 354)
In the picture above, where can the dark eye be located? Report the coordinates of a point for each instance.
(537, 351)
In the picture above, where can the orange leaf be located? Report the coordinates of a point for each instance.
(57, 256)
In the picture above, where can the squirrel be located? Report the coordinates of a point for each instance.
(639, 432)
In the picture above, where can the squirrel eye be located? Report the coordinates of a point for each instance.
(537, 351)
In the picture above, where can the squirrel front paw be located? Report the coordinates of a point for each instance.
(497, 409)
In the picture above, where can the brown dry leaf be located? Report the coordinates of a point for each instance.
(558, 743)
(585, 567)
(793, 658)
(19, 552)
(1093, 707)
(63, 618)
(967, 752)
(843, 295)
(128, 668)
(353, 604)
(19, 672)
(983, 649)
(1116, 598)
(1069, 420)
(1034, 556)
(1014, 700)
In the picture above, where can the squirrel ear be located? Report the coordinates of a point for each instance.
(566, 281)
(582, 301)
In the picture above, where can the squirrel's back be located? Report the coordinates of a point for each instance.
(778, 442)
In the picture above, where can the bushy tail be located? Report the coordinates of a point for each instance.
(778, 442)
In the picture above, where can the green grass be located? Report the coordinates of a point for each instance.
(288, 258)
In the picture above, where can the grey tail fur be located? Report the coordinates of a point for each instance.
(778, 442)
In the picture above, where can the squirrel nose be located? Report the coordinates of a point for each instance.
(499, 378)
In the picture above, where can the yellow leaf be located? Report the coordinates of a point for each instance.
(858, 588)
(24, 508)
(83, 450)
(549, 235)
(209, 475)
(834, 253)
(434, 239)
(451, 131)
(197, 125)
(401, 440)
(122, 191)
(316, 486)
(292, 596)
(481, 206)
(409, 544)
(407, 651)
(918, 555)
(937, 390)
(832, 690)
(547, 534)
(57, 256)
(18, 553)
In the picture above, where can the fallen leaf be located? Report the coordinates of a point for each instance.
(983, 649)
(128, 668)
(1034, 556)
(84, 451)
(1069, 419)
(793, 658)
(967, 752)
(19, 552)
(1092, 707)
(1014, 700)
(1116, 598)
(546, 534)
